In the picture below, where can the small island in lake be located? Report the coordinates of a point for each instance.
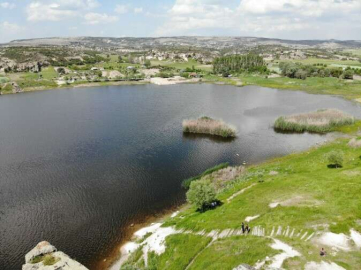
(320, 121)
(207, 125)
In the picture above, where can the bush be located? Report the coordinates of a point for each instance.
(186, 183)
(348, 74)
(201, 194)
(335, 158)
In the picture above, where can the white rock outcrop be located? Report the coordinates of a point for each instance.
(62, 261)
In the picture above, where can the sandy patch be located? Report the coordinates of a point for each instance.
(274, 76)
(273, 173)
(127, 249)
(295, 201)
(150, 229)
(339, 241)
(112, 74)
(358, 99)
(155, 242)
(322, 266)
(248, 219)
(239, 192)
(150, 72)
(273, 205)
(352, 173)
(356, 237)
(288, 252)
(171, 81)
(174, 214)
(354, 143)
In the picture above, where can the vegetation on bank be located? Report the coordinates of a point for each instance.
(186, 183)
(47, 259)
(201, 194)
(300, 192)
(301, 71)
(227, 65)
(207, 125)
(312, 85)
(320, 121)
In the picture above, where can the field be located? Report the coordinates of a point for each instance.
(356, 52)
(311, 61)
(296, 199)
(313, 85)
(182, 65)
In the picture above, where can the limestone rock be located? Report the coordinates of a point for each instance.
(244, 267)
(62, 261)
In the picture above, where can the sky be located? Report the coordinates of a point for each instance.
(286, 19)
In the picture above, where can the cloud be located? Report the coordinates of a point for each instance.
(10, 27)
(138, 10)
(262, 17)
(197, 14)
(58, 10)
(98, 18)
(121, 9)
(7, 5)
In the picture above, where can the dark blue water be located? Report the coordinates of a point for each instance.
(78, 166)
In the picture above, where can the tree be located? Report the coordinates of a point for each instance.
(201, 194)
(348, 74)
(335, 158)
(237, 63)
(147, 63)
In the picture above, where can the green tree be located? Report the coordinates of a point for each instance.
(348, 74)
(147, 63)
(201, 193)
(335, 158)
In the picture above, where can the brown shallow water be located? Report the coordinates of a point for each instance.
(78, 166)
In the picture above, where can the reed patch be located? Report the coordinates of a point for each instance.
(207, 125)
(321, 121)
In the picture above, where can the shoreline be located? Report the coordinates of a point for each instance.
(173, 81)
(121, 253)
(111, 261)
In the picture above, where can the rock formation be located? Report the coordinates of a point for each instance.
(46, 257)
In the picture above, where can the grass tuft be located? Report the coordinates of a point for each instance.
(207, 125)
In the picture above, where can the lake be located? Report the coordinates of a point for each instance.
(78, 166)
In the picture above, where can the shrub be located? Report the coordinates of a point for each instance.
(348, 74)
(335, 158)
(201, 194)
(186, 183)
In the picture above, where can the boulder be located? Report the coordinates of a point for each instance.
(42, 248)
(62, 261)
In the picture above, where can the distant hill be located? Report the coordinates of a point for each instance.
(181, 41)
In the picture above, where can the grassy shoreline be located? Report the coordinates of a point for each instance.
(350, 90)
(304, 190)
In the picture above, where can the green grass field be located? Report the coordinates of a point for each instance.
(356, 52)
(312, 61)
(311, 197)
(313, 85)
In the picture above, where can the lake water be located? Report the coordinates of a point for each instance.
(78, 166)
